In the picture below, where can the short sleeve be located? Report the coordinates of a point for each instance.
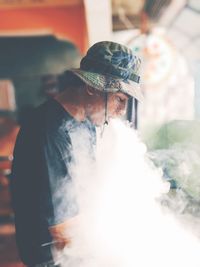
(58, 198)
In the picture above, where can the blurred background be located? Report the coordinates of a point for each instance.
(41, 39)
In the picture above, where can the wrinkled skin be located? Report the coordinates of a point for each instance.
(116, 106)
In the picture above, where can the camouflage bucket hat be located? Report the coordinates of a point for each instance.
(111, 67)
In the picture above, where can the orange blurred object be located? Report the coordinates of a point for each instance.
(8, 133)
(66, 22)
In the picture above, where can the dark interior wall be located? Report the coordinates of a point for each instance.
(24, 60)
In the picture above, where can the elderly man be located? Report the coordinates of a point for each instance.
(90, 96)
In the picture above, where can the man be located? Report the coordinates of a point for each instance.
(91, 95)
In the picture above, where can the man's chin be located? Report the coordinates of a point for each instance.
(97, 121)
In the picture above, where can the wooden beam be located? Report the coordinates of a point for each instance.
(134, 22)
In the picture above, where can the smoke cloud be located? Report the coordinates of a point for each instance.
(121, 222)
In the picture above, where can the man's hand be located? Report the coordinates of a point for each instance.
(61, 233)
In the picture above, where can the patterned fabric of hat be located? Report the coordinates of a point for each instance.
(111, 67)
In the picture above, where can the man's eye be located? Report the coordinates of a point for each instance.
(120, 100)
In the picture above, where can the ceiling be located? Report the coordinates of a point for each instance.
(180, 18)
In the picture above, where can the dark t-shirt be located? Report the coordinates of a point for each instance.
(41, 182)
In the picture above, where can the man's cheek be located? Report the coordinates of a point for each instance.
(98, 115)
(121, 111)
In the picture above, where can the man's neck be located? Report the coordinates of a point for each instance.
(77, 111)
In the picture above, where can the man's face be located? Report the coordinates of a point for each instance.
(116, 106)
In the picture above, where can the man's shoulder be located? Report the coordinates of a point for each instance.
(48, 113)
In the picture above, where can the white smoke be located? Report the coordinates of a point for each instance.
(121, 222)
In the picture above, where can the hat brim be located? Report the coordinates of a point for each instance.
(100, 82)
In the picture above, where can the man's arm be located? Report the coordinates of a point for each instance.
(58, 199)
